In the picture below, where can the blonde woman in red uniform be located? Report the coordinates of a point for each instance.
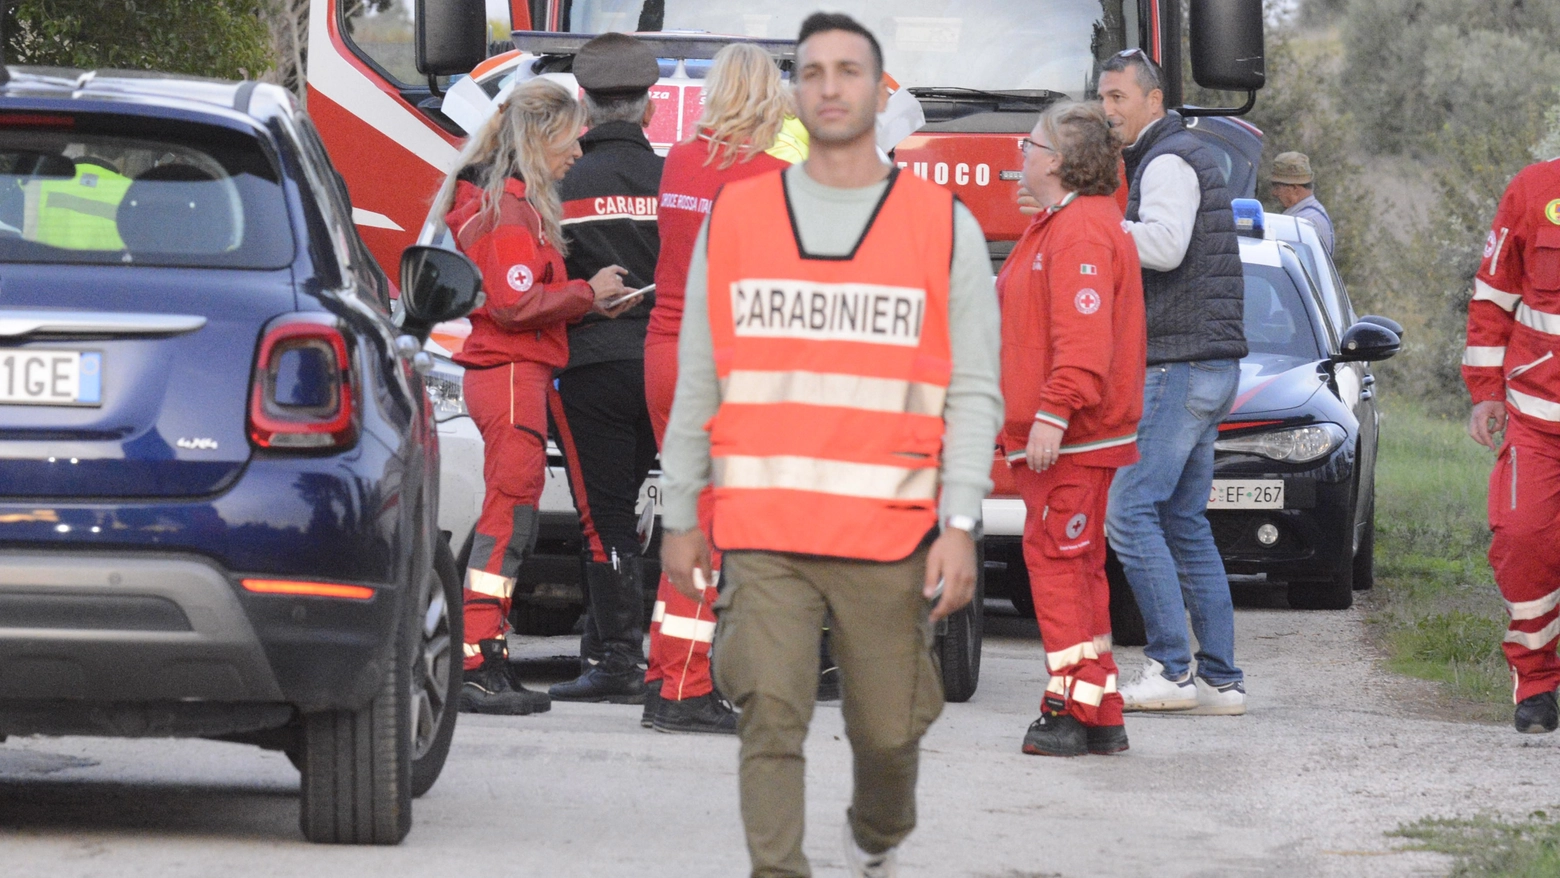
(501, 203)
(748, 128)
(1074, 342)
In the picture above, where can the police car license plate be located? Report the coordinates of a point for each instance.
(1247, 494)
(35, 377)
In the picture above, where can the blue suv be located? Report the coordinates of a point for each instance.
(218, 463)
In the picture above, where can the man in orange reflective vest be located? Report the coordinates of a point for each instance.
(837, 378)
(1513, 373)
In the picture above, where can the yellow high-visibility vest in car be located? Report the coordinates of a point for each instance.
(79, 213)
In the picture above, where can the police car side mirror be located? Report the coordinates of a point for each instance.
(436, 285)
(1367, 343)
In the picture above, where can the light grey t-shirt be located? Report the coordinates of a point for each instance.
(830, 222)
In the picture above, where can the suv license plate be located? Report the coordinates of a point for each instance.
(51, 378)
(1247, 494)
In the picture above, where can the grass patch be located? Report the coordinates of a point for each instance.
(1435, 606)
(1491, 847)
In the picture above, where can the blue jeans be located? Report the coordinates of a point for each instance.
(1157, 524)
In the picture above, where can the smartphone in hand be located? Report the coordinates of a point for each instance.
(627, 297)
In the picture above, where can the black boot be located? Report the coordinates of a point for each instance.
(707, 714)
(617, 610)
(1105, 740)
(1056, 734)
(1537, 714)
(652, 704)
(488, 689)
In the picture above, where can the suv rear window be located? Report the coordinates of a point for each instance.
(138, 191)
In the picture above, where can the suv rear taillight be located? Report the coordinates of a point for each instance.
(303, 391)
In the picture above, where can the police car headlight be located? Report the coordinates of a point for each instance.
(1295, 445)
(444, 389)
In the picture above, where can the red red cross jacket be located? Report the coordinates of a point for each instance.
(1514, 318)
(1074, 338)
(530, 299)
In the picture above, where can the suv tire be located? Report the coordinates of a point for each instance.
(436, 672)
(959, 639)
(357, 764)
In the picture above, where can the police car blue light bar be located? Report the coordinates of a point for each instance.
(1248, 216)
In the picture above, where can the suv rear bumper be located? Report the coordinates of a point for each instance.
(145, 628)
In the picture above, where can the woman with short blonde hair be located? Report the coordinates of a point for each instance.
(748, 128)
(501, 204)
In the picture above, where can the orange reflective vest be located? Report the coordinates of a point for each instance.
(833, 374)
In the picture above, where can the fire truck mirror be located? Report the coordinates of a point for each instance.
(1226, 44)
(451, 36)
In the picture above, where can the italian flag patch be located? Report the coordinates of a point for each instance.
(1086, 268)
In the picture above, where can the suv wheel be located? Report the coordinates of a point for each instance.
(357, 766)
(959, 639)
(436, 673)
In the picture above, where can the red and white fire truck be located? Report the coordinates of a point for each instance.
(393, 91)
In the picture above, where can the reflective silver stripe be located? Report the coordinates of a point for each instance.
(1058, 685)
(1483, 292)
(1102, 644)
(1523, 368)
(490, 584)
(1499, 245)
(684, 628)
(1543, 321)
(1110, 683)
(471, 649)
(1535, 639)
(1532, 405)
(838, 477)
(1534, 608)
(1072, 655)
(1088, 693)
(1483, 356)
(833, 389)
(659, 612)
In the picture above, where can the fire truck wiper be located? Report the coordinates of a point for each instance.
(1028, 99)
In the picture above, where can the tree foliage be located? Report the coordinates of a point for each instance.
(221, 38)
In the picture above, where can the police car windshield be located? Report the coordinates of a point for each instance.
(69, 194)
(993, 45)
(1277, 321)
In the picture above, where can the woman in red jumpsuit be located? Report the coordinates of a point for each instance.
(1074, 344)
(501, 204)
(742, 133)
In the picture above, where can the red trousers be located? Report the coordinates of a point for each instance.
(509, 405)
(1524, 508)
(681, 630)
(1064, 550)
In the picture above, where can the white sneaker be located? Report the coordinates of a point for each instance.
(1152, 691)
(1226, 700)
(864, 865)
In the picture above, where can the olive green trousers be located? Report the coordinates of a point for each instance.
(771, 615)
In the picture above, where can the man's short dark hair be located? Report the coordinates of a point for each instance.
(1144, 70)
(819, 22)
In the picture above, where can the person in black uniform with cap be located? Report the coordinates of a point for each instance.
(599, 415)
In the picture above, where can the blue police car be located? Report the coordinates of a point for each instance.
(218, 465)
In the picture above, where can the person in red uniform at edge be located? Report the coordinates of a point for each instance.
(742, 132)
(1513, 372)
(598, 409)
(501, 204)
(1074, 341)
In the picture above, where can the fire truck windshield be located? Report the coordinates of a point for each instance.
(992, 45)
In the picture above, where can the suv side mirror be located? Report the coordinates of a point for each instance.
(1385, 323)
(437, 285)
(1226, 44)
(451, 36)
(1367, 343)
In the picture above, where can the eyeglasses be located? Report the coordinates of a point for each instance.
(1135, 51)
(1025, 144)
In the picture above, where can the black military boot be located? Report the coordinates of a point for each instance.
(617, 609)
(707, 714)
(1056, 734)
(652, 704)
(1537, 714)
(488, 689)
(1105, 740)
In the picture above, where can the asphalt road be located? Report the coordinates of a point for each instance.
(1332, 755)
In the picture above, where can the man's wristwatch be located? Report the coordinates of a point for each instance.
(963, 522)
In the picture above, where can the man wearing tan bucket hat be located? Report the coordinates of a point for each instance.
(1292, 184)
